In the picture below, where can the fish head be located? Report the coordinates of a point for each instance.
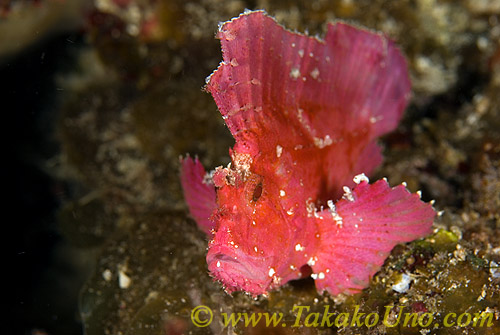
(250, 237)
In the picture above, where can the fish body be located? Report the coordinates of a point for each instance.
(295, 200)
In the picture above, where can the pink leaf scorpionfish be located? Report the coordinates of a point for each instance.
(305, 114)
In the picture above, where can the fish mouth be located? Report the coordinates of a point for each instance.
(239, 271)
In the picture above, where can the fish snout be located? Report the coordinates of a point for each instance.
(238, 270)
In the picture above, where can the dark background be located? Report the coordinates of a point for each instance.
(42, 284)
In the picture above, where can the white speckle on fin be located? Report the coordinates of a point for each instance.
(311, 209)
(375, 119)
(312, 261)
(347, 194)
(279, 150)
(335, 215)
(299, 247)
(360, 177)
(315, 73)
(294, 73)
(322, 142)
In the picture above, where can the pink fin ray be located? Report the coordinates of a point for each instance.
(306, 95)
(369, 78)
(198, 192)
(358, 235)
(353, 78)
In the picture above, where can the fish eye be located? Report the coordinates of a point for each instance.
(257, 192)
